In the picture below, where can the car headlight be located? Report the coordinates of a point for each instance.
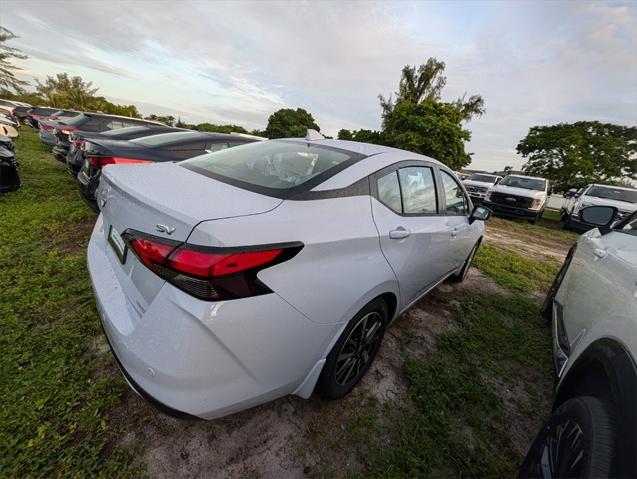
(579, 205)
(487, 197)
(536, 203)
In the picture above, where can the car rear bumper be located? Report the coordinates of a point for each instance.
(202, 358)
(60, 152)
(47, 138)
(502, 210)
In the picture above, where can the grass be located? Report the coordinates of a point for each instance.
(514, 271)
(53, 402)
(455, 424)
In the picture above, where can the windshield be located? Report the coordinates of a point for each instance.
(124, 131)
(271, 164)
(610, 193)
(166, 138)
(524, 182)
(482, 178)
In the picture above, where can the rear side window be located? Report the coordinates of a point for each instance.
(389, 192)
(115, 125)
(166, 138)
(410, 190)
(456, 203)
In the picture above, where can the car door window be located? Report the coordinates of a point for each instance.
(456, 202)
(630, 227)
(389, 192)
(418, 190)
(115, 125)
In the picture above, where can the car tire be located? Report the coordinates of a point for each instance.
(578, 441)
(459, 278)
(352, 354)
(567, 223)
(547, 306)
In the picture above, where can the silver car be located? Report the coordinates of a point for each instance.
(244, 275)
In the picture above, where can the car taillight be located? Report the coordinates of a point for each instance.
(67, 129)
(209, 273)
(78, 143)
(46, 127)
(101, 161)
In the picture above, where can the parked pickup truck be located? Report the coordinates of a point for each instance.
(624, 199)
(478, 184)
(519, 196)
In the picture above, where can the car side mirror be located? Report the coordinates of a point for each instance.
(481, 213)
(600, 216)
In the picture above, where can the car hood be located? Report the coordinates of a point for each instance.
(510, 190)
(620, 205)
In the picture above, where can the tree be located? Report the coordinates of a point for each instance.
(287, 122)
(431, 128)
(365, 136)
(8, 80)
(220, 128)
(168, 120)
(426, 84)
(63, 91)
(572, 155)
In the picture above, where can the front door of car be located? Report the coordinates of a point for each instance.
(414, 238)
(456, 211)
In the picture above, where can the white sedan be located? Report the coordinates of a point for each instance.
(237, 277)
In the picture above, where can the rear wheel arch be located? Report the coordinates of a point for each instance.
(606, 370)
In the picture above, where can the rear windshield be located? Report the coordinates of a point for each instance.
(44, 111)
(610, 193)
(166, 138)
(482, 178)
(523, 182)
(273, 165)
(125, 131)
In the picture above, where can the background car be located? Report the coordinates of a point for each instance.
(622, 198)
(592, 431)
(162, 147)
(519, 196)
(36, 114)
(478, 184)
(9, 175)
(10, 105)
(75, 157)
(201, 268)
(94, 123)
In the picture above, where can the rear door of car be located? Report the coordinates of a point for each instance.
(414, 236)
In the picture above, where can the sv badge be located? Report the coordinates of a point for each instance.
(164, 229)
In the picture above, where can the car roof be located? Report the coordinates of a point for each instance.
(123, 117)
(366, 149)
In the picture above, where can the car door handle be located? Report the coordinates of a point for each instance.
(600, 253)
(399, 233)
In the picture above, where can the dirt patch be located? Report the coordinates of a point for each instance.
(532, 242)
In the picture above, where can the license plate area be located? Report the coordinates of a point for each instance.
(117, 243)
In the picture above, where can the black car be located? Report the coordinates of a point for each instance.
(175, 146)
(6, 142)
(9, 176)
(92, 123)
(75, 157)
(34, 115)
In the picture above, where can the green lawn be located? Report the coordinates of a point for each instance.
(57, 390)
(53, 402)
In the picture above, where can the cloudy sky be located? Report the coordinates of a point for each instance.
(534, 63)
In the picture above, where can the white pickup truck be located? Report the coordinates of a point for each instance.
(478, 184)
(624, 199)
(519, 196)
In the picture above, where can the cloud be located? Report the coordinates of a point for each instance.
(534, 63)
